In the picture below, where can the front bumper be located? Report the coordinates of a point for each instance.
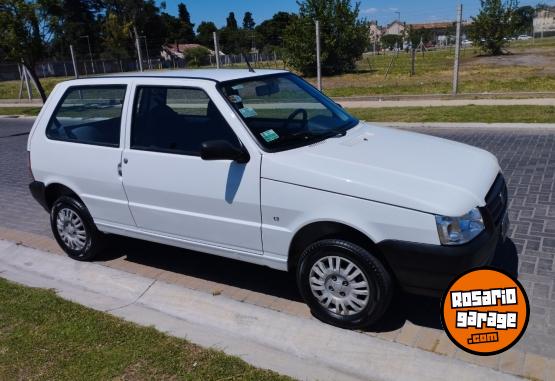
(429, 269)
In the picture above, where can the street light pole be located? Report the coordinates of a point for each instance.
(90, 51)
(318, 65)
(457, 50)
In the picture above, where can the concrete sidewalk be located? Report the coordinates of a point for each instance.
(446, 102)
(300, 347)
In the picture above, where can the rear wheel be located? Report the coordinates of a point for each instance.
(74, 229)
(344, 284)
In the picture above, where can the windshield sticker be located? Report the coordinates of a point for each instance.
(235, 99)
(247, 112)
(237, 87)
(269, 136)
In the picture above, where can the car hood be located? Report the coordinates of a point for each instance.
(391, 166)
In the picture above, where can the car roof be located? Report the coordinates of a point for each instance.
(218, 75)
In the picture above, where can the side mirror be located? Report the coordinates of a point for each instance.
(223, 150)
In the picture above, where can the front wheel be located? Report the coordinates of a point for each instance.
(344, 284)
(74, 229)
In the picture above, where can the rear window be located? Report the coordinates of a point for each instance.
(89, 115)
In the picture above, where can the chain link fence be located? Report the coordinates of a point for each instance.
(88, 67)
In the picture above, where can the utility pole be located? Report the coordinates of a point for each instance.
(138, 46)
(90, 52)
(73, 60)
(147, 55)
(457, 51)
(216, 49)
(318, 66)
(25, 79)
(413, 62)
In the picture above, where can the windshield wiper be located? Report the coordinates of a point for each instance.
(308, 137)
(336, 133)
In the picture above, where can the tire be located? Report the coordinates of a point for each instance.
(74, 229)
(348, 306)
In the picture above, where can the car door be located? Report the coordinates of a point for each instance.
(171, 190)
(82, 147)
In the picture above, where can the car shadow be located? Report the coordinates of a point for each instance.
(419, 310)
(203, 266)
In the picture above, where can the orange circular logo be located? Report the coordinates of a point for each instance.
(485, 311)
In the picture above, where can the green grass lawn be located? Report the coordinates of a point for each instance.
(28, 111)
(528, 68)
(10, 89)
(43, 337)
(459, 114)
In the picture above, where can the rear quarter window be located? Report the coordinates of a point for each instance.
(89, 115)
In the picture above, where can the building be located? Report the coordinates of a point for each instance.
(375, 32)
(435, 32)
(396, 28)
(178, 51)
(544, 22)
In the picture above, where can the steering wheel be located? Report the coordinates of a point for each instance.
(294, 115)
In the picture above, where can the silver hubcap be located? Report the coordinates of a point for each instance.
(339, 285)
(71, 229)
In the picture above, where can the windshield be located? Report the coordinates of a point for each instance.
(283, 111)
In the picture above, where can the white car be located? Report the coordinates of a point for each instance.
(524, 37)
(263, 168)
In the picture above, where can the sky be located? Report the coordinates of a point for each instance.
(383, 11)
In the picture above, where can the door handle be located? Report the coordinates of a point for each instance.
(125, 161)
(119, 169)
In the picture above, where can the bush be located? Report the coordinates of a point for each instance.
(343, 37)
(198, 56)
(391, 41)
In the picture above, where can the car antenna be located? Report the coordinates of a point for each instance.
(248, 63)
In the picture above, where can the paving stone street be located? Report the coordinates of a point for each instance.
(526, 155)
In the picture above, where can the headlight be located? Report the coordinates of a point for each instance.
(459, 230)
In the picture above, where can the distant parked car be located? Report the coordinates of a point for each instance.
(264, 168)
(467, 43)
(524, 37)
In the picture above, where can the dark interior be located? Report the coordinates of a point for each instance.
(157, 127)
(103, 132)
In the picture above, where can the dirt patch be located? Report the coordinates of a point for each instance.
(533, 59)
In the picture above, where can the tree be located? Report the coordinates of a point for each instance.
(205, 31)
(524, 20)
(248, 21)
(231, 23)
(170, 26)
(230, 36)
(78, 20)
(21, 38)
(270, 32)
(343, 36)
(124, 18)
(115, 36)
(494, 25)
(186, 31)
